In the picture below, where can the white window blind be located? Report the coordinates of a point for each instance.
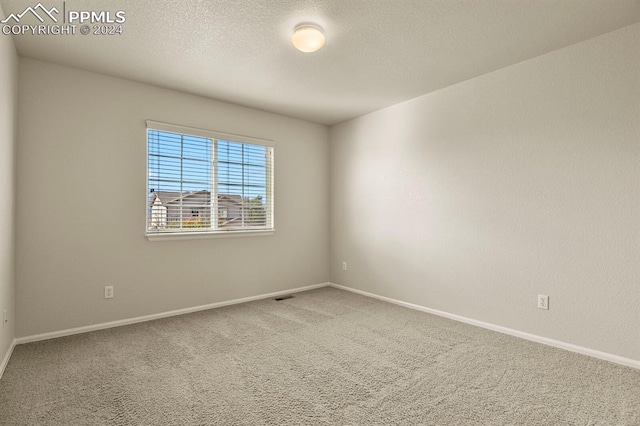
(207, 182)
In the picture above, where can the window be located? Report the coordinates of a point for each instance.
(204, 182)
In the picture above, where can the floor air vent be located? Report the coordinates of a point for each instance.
(288, 296)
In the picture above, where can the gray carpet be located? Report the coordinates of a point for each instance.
(324, 357)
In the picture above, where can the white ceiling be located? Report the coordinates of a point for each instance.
(378, 52)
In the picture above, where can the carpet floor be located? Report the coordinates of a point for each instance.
(324, 357)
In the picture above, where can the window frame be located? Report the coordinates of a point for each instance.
(212, 232)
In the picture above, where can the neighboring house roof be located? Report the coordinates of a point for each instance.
(165, 196)
(169, 197)
(231, 197)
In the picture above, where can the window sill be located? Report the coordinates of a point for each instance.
(201, 235)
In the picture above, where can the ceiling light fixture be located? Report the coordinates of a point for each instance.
(308, 38)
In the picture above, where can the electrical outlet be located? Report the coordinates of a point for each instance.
(108, 292)
(344, 266)
(543, 301)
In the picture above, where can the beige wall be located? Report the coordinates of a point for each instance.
(476, 198)
(8, 108)
(81, 167)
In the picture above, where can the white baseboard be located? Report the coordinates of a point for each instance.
(523, 335)
(6, 358)
(102, 326)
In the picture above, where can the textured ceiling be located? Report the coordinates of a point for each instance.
(378, 52)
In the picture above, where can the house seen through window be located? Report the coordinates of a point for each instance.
(208, 183)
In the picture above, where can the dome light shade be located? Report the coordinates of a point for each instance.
(308, 38)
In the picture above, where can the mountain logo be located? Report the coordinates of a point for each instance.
(38, 11)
